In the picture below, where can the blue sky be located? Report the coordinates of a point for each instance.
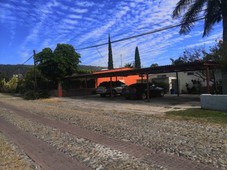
(27, 25)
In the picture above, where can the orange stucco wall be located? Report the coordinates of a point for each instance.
(127, 80)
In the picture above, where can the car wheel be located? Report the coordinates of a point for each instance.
(143, 96)
(161, 94)
(113, 94)
(127, 98)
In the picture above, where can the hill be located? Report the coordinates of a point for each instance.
(9, 70)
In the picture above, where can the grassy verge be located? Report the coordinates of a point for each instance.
(201, 115)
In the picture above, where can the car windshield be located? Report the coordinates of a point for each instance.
(114, 84)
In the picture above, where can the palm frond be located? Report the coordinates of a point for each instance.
(181, 6)
(191, 16)
(213, 15)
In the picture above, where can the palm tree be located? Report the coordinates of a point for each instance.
(215, 11)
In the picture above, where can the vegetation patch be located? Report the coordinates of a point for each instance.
(200, 115)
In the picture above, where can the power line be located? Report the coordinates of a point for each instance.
(27, 60)
(138, 35)
(20, 65)
(99, 52)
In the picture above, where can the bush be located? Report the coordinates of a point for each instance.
(31, 95)
(9, 86)
(44, 94)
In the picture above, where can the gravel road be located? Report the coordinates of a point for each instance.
(135, 122)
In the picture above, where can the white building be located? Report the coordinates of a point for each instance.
(188, 82)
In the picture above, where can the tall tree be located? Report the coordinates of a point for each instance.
(57, 64)
(67, 59)
(110, 55)
(45, 62)
(137, 58)
(215, 11)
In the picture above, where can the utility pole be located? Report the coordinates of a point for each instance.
(35, 83)
(121, 60)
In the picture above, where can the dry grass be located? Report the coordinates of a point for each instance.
(51, 100)
(10, 158)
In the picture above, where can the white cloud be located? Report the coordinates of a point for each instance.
(85, 3)
(78, 10)
(72, 16)
(85, 23)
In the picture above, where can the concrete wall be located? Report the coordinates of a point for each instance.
(213, 102)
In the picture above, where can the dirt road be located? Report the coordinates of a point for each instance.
(93, 137)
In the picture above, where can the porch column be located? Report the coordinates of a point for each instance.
(86, 90)
(148, 88)
(111, 87)
(208, 79)
(177, 76)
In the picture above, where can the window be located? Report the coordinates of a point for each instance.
(161, 76)
(190, 73)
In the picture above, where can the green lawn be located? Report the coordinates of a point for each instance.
(201, 115)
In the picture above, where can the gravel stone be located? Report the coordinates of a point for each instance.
(142, 124)
(94, 155)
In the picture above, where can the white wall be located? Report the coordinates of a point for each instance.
(213, 102)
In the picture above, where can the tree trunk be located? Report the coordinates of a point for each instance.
(224, 69)
(225, 30)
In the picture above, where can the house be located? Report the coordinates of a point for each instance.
(179, 78)
(128, 80)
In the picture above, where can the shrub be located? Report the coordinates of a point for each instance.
(44, 94)
(31, 95)
(9, 86)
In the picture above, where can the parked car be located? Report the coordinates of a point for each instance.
(139, 91)
(104, 88)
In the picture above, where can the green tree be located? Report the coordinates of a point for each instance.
(128, 65)
(190, 56)
(217, 53)
(58, 64)
(67, 60)
(137, 58)
(215, 11)
(46, 63)
(154, 65)
(110, 55)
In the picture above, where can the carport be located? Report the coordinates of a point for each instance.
(196, 66)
